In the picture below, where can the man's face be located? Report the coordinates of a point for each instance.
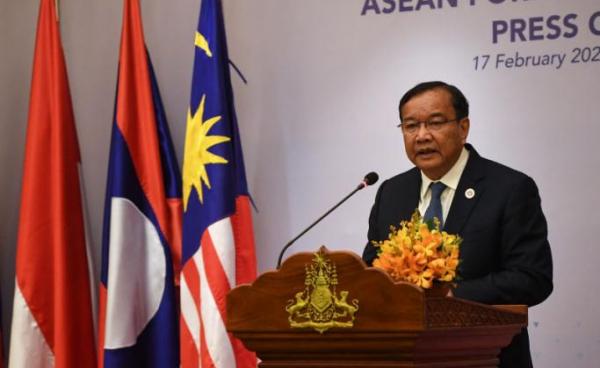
(434, 152)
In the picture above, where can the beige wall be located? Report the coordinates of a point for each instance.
(16, 42)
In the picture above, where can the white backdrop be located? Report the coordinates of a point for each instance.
(320, 109)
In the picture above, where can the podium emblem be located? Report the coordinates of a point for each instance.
(318, 306)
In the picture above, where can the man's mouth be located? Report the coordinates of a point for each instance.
(425, 151)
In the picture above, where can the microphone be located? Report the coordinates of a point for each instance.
(369, 179)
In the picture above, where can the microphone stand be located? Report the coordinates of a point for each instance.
(360, 186)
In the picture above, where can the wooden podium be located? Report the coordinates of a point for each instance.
(345, 314)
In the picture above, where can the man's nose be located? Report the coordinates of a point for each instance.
(423, 134)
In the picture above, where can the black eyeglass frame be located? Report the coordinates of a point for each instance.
(431, 125)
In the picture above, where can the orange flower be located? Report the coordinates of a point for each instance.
(419, 254)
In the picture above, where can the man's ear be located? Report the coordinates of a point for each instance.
(464, 125)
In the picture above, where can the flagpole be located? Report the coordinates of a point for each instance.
(56, 10)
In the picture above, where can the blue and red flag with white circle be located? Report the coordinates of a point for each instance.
(142, 218)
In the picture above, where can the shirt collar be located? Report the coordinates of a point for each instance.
(451, 178)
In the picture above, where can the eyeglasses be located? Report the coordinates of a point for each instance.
(433, 125)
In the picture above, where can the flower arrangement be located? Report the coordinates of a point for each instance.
(419, 253)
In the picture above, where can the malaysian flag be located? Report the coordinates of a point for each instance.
(52, 322)
(142, 218)
(218, 243)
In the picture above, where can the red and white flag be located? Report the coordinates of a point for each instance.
(52, 323)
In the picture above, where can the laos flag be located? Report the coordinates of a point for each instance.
(142, 218)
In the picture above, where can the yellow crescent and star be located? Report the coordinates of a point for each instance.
(198, 142)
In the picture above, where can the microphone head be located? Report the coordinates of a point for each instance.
(371, 178)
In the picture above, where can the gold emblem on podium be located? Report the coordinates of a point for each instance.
(318, 306)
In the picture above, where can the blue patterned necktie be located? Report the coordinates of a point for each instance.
(435, 206)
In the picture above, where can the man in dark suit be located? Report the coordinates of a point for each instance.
(505, 255)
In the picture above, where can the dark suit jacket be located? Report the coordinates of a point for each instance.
(505, 255)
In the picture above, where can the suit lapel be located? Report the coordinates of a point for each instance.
(413, 187)
(462, 205)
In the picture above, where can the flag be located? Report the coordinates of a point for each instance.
(142, 218)
(52, 323)
(218, 243)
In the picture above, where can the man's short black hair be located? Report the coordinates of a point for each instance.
(459, 101)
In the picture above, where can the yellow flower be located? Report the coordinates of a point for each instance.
(438, 267)
(425, 280)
